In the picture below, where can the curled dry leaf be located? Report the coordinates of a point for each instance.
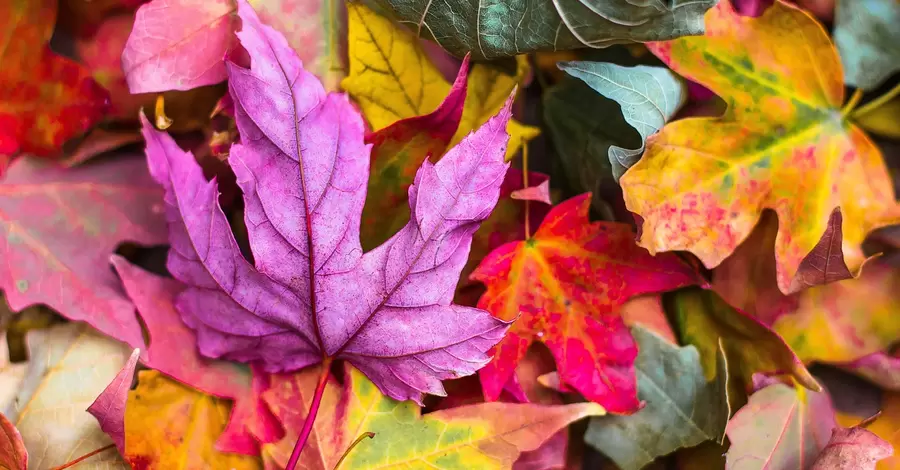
(783, 144)
(109, 407)
(648, 97)
(855, 448)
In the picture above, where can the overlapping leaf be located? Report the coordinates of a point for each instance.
(102, 54)
(681, 409)
(783, 144)
(522, 26)
(648, 97)
(173, 351)
(484, 436)
(879, 368)
(838, 322)
(70, 365)
(781, 428)
(704, 319)
(398, 150)
(168, 425)
(45, 99)
(180, 44)
(59, 228)
(109, 406)
(866, 35)
(886, 426)
(312, 293)
(563, 286)
(855, 448)
(392, 78)
(13, 455)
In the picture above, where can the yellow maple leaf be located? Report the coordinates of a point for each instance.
(391, 78)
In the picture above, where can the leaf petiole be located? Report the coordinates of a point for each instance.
(370, 435)
(852, 102)
(84, 457)
(525, 186)
(877, 102)
(310, 416)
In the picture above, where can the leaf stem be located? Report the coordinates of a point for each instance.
(854, 100)
(310, 416)
(359, 439)
(525, 185)
(84, 457)
(877, 102)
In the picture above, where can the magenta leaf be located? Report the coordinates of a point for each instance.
(172, 350)
(312, 294)
(58, 228)
(109, 406)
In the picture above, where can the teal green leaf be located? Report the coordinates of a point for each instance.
(867, 36)
(491, 29)
(583, 125)
(682, 409)
(648, 96)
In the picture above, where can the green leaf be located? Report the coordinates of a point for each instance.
(703, 319)
(682, 409)
(500, 29)
(571, 111)
(648, 97)
(868, 40)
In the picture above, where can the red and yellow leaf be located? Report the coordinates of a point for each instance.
(45, 99)
(783, 144)
(563, 288)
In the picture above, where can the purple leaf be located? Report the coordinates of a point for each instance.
(109, 406)
(312, 294)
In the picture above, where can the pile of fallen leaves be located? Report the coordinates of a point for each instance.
(455, 234)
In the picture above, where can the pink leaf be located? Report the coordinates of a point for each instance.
(173, 351)
(539, 193)
(855, 448)
(109, 406)
(302, 166)
(58, 228)
(178, 45)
